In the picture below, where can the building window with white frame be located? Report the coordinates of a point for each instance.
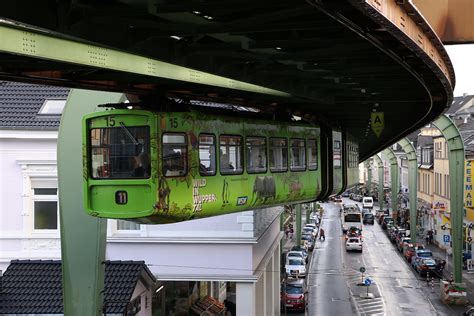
(45, 209)
(127, 225)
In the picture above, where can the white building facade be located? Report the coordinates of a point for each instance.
(243, 248)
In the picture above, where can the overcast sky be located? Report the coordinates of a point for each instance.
(462, 57)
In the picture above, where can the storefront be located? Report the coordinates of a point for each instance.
(189, 298)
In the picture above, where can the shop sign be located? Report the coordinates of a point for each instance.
(439, 206)
(468, 192)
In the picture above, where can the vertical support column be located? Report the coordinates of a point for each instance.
(269, 287)
(245, 299)
(308, 211)
(395, 180)
(298, 224)
(456, 175)
(380, 172)
(412, 183)
(276, 282)
(368, 185)
(83, 237)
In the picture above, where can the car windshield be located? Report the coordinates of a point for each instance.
(295, 254)
(291, 289)
(295, 262)
(425, 254)
(354, 240)
(429, 262)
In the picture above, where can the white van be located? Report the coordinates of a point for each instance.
(367, 202)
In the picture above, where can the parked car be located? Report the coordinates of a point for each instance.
(296, 254)
(409, 250)
(345, 194)
(337, 199)
(308, 241)
(309, 230)
(421, 253)
(354, 243)
(394, 233)
(424, 265)
(302, 250)
(401, 233)
(378, 214)
(386, 220)
(403, 241)
(293, 295)
(295, 267)
(368, 218)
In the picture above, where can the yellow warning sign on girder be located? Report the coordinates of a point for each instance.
(377, 122)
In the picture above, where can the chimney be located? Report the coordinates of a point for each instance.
(465, 94)
(465, 120)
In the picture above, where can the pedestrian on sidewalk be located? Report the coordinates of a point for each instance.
(321, 234)
(287, 231)
(291, 233)
(429, 237)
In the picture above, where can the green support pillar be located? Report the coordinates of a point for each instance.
(308, 211)
(83, 237)
(412, 183)
(456, 175)
(368, 185)
(380, 172)
(298, 224)
(395, 180)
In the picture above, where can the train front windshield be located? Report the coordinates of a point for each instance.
(120, 152)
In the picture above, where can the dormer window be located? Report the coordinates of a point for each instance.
(52, 107)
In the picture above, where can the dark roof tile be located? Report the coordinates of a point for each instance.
(35, 286)
(21, 102)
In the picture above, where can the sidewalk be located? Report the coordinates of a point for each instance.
(467, 278)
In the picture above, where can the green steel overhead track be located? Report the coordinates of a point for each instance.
(30, 42)
(332, 62)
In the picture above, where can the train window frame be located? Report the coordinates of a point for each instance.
(140, 160)
(241, 154)
(298, 168)
(251, 169)
(183, 159)
(308, 149)
(270, 147)
(212, 156)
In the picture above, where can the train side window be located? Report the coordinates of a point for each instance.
(230, 148)
(175, 154)
(278, 155)
(207, 155)
(256, 154)
(312, 154)
(297, 155)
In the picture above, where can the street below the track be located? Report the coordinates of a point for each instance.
(334, 276)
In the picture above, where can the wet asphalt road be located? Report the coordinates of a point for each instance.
(334, 274)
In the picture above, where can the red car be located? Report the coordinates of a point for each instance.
(410, 250)
(293, 295)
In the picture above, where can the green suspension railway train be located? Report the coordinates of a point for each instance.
(164, 167)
